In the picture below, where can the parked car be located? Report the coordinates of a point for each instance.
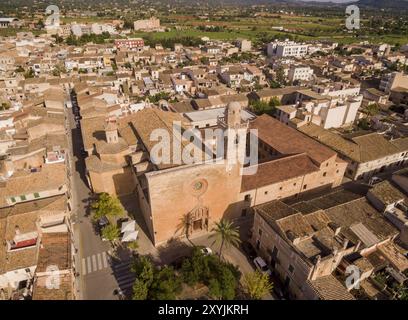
(206, 251)
(374, 180)
(249, 250)
(103, 222)
(261, 265)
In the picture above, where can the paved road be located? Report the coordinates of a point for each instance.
(96, 278)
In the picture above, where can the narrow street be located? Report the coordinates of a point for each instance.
(96, 280)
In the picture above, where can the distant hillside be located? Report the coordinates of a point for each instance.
(385, 4)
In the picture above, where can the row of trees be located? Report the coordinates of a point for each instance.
(86, 38)
(261, 107)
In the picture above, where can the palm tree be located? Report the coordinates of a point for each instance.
(226, 233)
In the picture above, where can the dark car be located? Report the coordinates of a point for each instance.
(102, 223)
(249, 250)
(84, 153)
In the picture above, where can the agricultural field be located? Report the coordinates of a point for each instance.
(258, 28)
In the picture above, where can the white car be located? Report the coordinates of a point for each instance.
(374, 180)
(206, 251)
(262, 266)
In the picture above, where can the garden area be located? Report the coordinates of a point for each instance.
(199, 276)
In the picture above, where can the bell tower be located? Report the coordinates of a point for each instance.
(111, 132)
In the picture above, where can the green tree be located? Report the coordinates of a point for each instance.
(226, 233)
(192, 269)
(144, 270)
(134, 245)
(107, 206)
(260, 107)
(111, 233)
(29, 74)
(214, 289)
(280, 76)
(256, 285)
(372, 109)
(140, 290)
(166, 285)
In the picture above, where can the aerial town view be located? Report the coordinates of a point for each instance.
(232, 150)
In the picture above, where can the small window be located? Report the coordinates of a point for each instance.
(23, 198)
(36, 195)
(260, 232)
(324, 174)
(305, 186)
(294, 184)
(291, 268)
(248, 197)
(266, 192)
(280, 188)
(337, 171)
(13, 199)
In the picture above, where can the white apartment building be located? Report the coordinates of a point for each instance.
(393, 80)
(282, 49)
(300, 72)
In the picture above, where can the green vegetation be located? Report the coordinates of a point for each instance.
(29, 74)
(107, 206)
(256, 285)
(111, 233)
(226, 234)
(165, 283)
(86, 38)
(153, 283)
(221, 278)
(260, 107)
(372, 109)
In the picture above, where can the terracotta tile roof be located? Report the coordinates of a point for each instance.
(329, 288)
(363, 148)
(55, 250)
(287, 140)
(392, 254)
(64, 292)
(386, 193)
(278, 171)
(50, 177)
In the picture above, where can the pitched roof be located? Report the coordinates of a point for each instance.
(278, 171)
(363, 148)
(287, 140)
(329, 288)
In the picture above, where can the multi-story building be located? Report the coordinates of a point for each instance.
(307, 241)
(147, 24)
(284, 170)
(283, 49)
(366, 154)
(130, 44)
(300, 73)
(392, 81)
